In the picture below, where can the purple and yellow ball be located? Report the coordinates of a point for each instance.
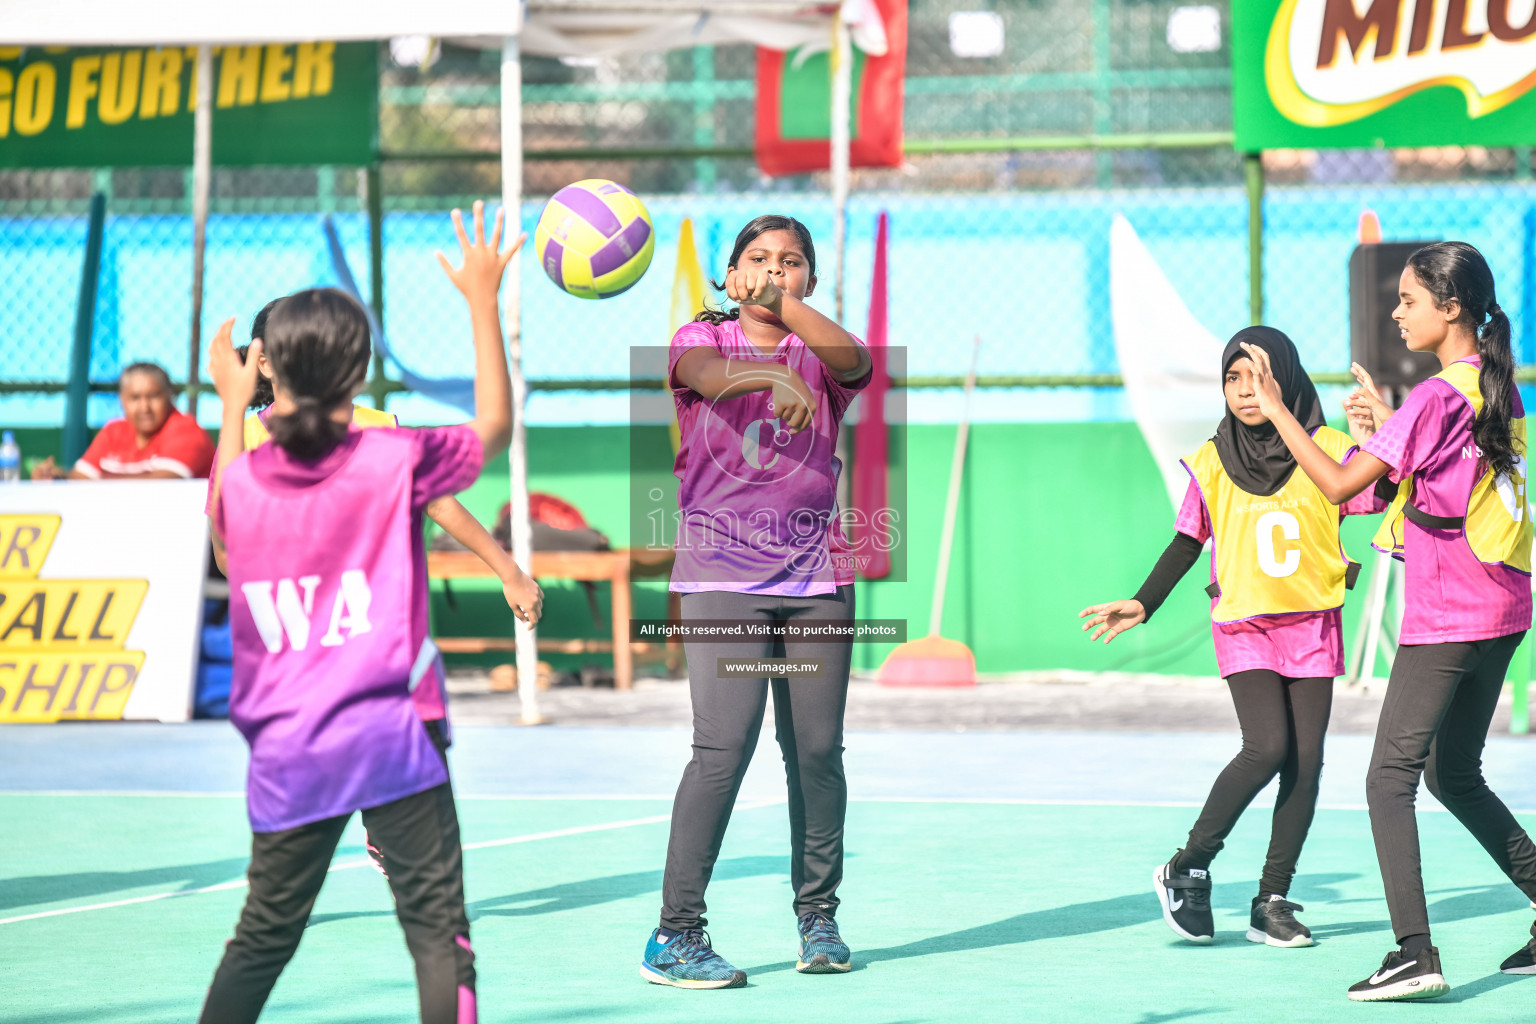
(594, 239)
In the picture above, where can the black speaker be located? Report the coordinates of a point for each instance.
(1374, 341)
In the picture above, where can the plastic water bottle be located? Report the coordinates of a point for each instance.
(10, 458)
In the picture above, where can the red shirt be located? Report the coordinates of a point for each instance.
(181, 447)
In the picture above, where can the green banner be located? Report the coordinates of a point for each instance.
(303, 103)
(1356, 73)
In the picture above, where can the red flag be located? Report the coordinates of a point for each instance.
(794, 104)
(871, 438)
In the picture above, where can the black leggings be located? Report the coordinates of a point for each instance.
(419, 836)
(727, 716)
(1434, 723)
(1284, 721)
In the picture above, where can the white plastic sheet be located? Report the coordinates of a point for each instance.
(1171, 363)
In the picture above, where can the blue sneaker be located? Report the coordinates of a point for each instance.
(687, 961)
(822, 950)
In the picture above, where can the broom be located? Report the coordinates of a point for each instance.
(933, 660)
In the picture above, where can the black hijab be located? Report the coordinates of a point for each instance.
(1256, 458)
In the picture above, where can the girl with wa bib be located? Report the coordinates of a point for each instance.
(319, 532)
(1461, 523)
(1278, 576)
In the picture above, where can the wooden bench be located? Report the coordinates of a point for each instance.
(616, 567)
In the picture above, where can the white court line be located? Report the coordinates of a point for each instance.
(652, 820)
(1009, 801)
(237, 884)
(241, 883)
(1001, 801)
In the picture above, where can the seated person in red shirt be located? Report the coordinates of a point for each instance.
(154, 440)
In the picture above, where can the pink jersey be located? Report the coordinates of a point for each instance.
(1300, 646)
(758, 504)
(431, 695)
(327, 572)
(1451, 596)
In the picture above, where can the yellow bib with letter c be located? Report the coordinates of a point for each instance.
(1275, 554)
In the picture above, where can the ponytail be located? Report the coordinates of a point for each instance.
(308, 432)
(1496, 381)
(317, 342)
(1457, 272)
(744, 238)
(717, 316)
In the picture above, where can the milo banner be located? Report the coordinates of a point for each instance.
(1357, 73)
(101, 596)
(304, 103)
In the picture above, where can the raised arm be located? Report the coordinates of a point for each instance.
(1338, 483)
(479, 280)
(235, 382)
(835, 347)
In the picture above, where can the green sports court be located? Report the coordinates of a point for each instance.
(991, 876)
(1075, 200)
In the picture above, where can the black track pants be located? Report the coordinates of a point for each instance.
(727, 717)
(1434, 723)
(1284, 722)
(419, 838)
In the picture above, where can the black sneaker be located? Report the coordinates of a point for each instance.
(1186, 900)
(1272, 921)
(1522, 961)
(1403, 977)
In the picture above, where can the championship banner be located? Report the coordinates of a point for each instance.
(283, 103)
(1361, 73)
(794, 101)
(101, 598)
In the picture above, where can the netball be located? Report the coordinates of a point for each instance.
(595, 239)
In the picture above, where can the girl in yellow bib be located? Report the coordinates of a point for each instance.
(1278, 576)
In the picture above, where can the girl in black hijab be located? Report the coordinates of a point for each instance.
(1254, 456)
(1278, 576)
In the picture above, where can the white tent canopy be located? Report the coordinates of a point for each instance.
(558, 28)
(561, 28)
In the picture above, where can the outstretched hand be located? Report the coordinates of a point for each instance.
(234, 379)
(525, 597)
(484, 262)
(1114, 618)
(1366, 409)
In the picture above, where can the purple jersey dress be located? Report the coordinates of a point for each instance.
(1451, 596)
(323, 578)
(758, 505)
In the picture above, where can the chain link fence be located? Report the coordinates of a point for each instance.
(1018, 158)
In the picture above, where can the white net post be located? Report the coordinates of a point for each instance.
(512, 203)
